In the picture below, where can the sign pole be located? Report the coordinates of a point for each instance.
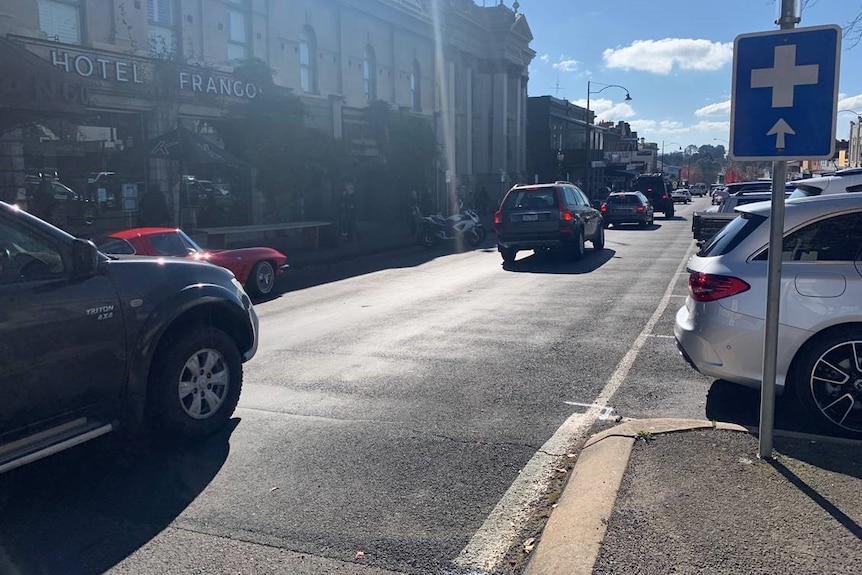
(788, 18)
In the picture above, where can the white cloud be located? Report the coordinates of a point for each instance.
(607, 110)
(709, 126)
(850, 102)
(719, 109)
(660, 56)
(566, 64)
(544, 58)
(670, 127)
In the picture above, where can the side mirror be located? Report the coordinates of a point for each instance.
(85, 258)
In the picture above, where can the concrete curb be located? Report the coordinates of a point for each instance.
(572, 538)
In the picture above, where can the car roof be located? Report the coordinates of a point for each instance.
(838, 181)
(801, 209)
(137, 232)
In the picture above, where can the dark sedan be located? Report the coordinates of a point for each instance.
(627, 208)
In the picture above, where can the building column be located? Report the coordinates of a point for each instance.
(499, 125)
(469, 128)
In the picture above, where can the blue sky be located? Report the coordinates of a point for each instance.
(674, 56)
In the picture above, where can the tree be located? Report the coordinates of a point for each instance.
(297, 166)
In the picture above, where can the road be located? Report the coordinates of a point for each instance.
(414, 413)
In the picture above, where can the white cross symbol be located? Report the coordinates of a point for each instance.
(784, 76)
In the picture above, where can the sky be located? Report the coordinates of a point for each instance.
(675, 57)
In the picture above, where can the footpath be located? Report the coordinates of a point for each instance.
(667, 496)
(664, 496)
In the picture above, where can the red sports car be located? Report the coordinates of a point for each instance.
(255, 268)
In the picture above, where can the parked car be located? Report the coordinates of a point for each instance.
(92, 344)
(698, 190)
(69, 209)
(709, 222)
(657, 191)
(842, 181)
(627, 208)
(720, 329)
(554, 216)
(681, 195)
(256, 268)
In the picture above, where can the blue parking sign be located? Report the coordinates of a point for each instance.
(785, 94)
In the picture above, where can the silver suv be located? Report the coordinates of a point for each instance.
(849, 180)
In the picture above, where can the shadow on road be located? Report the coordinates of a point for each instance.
(733, 403)
(83, 511)
(634, 227)
(553, 263)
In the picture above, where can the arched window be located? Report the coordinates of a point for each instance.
(416, 87)
(369, 74)
(307, 60)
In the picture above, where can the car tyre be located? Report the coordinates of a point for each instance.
(261, 280)
(669, 214)
(508, 254)
(577, 249)
(828, 380)
(599, 242)
(195, 383)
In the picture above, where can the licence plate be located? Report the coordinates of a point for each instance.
(530, 218)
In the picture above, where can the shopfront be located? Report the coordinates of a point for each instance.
(91, 121)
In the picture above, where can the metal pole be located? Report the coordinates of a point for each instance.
(788, 19)
(588, 145)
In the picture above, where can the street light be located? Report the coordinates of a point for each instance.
(662, 153)
(854, 151)
(588, 125)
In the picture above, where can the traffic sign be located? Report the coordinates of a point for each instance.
(785, 94)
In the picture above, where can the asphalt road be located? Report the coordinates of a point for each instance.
(410, 413)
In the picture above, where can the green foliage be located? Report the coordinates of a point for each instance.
(408, 149)
(296, 165)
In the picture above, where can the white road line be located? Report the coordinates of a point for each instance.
(486, 550)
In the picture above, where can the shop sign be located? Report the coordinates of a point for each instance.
(206, 84)
(97, 67)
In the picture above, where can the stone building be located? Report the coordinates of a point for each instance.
(99, 87)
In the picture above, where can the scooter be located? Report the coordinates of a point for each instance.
(463, 228)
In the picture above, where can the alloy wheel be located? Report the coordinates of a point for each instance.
(203, 384)
(835, 385)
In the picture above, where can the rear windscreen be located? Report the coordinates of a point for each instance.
(531, 199)
(620, 200)
(730, 235)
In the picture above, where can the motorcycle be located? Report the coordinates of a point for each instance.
(463, 228)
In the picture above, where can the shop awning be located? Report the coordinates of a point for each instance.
(183, 145)
(33, 89)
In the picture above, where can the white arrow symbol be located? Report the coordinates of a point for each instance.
(780, 129)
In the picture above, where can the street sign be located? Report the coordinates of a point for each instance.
(785, 94)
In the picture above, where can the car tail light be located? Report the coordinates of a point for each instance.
(566, 216)
(640, 208)
(498, 218)
(649, 189)
(604, 208)
(711, 287)
(664, 196)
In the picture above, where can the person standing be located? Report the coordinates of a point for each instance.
(347, 211)
(43, 202)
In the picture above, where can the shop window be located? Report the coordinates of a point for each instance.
(416, 87)
(307, 61)
(60, 20)
(238, 30)
(369, 74)
(162, 35)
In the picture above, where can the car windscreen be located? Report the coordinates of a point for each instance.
(114, 246)
(731, 235)
(531, 199)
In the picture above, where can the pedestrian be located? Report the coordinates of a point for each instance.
(347, 211)
(43, 201)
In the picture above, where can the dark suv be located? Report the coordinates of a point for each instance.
(90, 343)
(657, 191)
(554, 216)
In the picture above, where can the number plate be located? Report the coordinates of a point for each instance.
(530, 218)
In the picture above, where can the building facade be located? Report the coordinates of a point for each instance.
(107, 80)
